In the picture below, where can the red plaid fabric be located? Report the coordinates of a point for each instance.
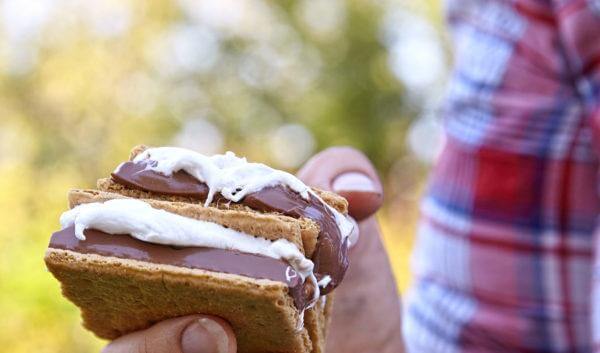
(504, 260)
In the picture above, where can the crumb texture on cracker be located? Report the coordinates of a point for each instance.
(119, 296)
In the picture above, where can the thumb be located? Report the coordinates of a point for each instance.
(349, 173)
(188, 334)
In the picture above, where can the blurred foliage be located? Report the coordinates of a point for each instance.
(80, 83)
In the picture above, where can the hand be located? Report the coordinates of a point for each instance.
(366, 298)
(187, 334)
(366, 309)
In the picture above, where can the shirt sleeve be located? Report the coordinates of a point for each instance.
(578, 22)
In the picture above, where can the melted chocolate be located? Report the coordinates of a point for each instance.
(330, 256)
(217, 260)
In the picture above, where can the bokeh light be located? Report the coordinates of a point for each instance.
(416, 53)
(200, 135)
(291, 145)
(425, 138)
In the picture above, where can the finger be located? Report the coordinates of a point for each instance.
(188, 334)
(369, 279)
(363, 195)
(348, 172)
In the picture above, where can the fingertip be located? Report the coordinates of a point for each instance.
(363, 193)
(219, 325)
(323, 168)
(196, 338)
(186, 334)
(208, 334)
(362, 204)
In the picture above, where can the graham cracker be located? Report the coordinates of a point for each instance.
(108, 184)
(318, 321)
(332, 199)
(309, 230)
(268, 226)
(117, 296)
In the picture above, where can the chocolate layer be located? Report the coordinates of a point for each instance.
(216, 260)
(330, 256)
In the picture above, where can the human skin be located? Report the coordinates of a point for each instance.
(366, 313)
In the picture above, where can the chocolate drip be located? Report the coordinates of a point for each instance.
(217, 260)
(330, 256)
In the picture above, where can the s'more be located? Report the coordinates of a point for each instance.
(173, 232)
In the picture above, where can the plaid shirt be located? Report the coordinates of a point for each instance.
(505, 251)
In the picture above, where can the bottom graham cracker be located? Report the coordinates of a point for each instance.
(117, 296)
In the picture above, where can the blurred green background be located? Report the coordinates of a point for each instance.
(82, 82)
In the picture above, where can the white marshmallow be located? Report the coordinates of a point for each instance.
(141, 221)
